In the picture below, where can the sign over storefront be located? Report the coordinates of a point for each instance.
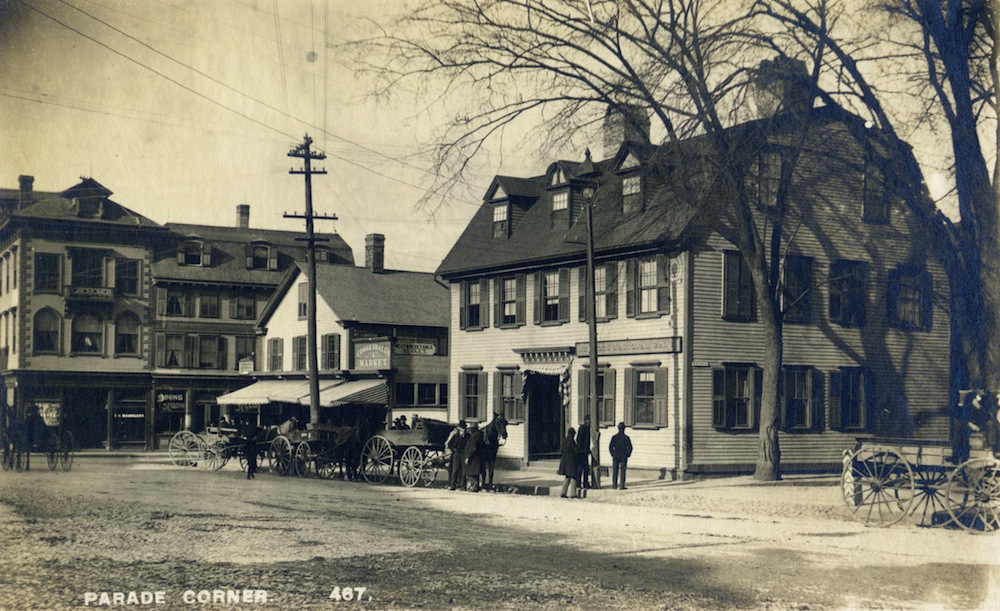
(372, 355)
(415, 347)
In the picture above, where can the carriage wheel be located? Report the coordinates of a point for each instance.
(185, 449)
(279, 455)
(66, 447)
(974, 495)
(376, 460)
(877, 486)
(325, 467)
(213, 453)
(410, 466)
(301, 460)
(433, 459)
(52, 458)
(930, 499)
(243, 460)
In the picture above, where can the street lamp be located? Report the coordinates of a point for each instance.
(588, 173)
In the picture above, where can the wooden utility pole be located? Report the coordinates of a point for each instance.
(589, 173)
(303, 152)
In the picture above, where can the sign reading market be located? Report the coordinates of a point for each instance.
(372, 355)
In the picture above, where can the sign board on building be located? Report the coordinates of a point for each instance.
(652, 345)
(246, 366)
(168, 401)
(372, 355)
(415, 347)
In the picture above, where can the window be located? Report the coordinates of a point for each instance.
(768, 177)
(172, 350)
(127, 328)
(605, 289)
(88, 334)
(48, 272)
(211, 352)
(322, 255)
(303, 300)
(404, 393)
(632, 194)
(552, 296)
(174, 302)
(875, 207)
(802, 401)
(848, 292)
(246, 347)
(331, 351)
(605, 395)
(46, 331)
(647, 288)
(191, 253)
(208, 304)
(736, 390)
(299, 360)
(275, 353)
(908, 298)
(443, 393)
(427, 394)
(259, 256)
(797, 289)
(127, 276)
(473, 313)
(560, 201)
(500, 220)
(739, 299)
(507, 386)
(243, 307)
(851, 399)
(88, 268)
(473, 385)
(646, 396)
(509, 301)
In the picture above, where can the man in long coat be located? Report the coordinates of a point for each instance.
(474, 457)
(456, 443)
(569, 465)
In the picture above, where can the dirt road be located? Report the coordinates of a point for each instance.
(109, 534)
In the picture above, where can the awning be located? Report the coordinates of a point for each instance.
(364, 392)
(267, 391)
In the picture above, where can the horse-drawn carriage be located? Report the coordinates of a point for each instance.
(885, 480)
(39, 433)
(416, 455)
(214, 448)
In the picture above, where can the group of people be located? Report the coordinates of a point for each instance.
(977, 416)
(574, 462)
(466, 469)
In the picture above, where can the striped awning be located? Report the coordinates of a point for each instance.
(263, 392)
(357, 392)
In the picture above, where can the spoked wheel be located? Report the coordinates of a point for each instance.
(326, 468)
(185, 449)
(67, 445)
(974, 495)
(301, 460)
(930, 498)
(877, 485)
(411, 466)
(52, 459)
(376, 460)
(215, 454)
(280, 455)
(433, 460)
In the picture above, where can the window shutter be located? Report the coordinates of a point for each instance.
(206, 255)
(249, 256)
(660, 397)
(730, 283)
(584, 295)
(564, 295)
(518, 396)
(835, 403)
(612, 290)
(783, 423)
(497, 290)
(631, 268)
(583, 386)
(868, 399)
(720, 418)
(161, 350)
(892, 297)
(662, 284)
(521, 282)
(497, 405)
(180, 257)
(539, 298)
(463, 304)
(484, 303)
(191, 351)
(629, 416)
(481, 398)
(272, 258)
(814, 416)
(609, 397)
(926, 302)
(758, 392)
(161, 302)
(336, 352)
(188, 304)
(222, 353)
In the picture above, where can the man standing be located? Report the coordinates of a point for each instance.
(621, 449)
(456, 443)
(583, 451)
(474, 456)
(569, 465)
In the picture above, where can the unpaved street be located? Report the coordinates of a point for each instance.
(152, 532)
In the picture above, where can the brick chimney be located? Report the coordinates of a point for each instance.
(27, 194)
(375, 252)
(243, 216)
(783, 85)
(619, 128)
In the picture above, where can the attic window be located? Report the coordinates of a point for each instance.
(631, 193)
(558, 178)
(322, 255)
(560, 209)
(501, 224)
(261, 256)
(89, 208)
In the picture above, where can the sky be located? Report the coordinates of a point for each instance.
(185, 109)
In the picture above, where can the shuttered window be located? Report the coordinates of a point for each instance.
(739, 299)
(473, 385)
(331, 351)
(647, 288)
(736, 392)
(507, 400)
(852, 397)
(802, 400)
(908, 298)
(605, 395)
(473, 305)
(552, 297)
(275, 354)
(509, 295)
(646, 396)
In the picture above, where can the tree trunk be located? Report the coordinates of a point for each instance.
(768, 452)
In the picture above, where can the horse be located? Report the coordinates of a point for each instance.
(494, 436)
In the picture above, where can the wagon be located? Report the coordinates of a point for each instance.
(17, 442)
(885, 480)
(319, 448)
(416, 455)
(217, 445)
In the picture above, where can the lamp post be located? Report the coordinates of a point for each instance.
(589, 173)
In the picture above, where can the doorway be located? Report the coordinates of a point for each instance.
(545, 415)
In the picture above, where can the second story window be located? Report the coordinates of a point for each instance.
(208, 304)
(768, 178)
(303, 301)
(330, 351)
(848, 292)
(797, 289)
(605, 291)
(127, 328)
(876, 203)
(243, 307)
(46, 331)
(275, 354)
(88, 268)
(739, 299)
(501, 224)
(908, 298)
(647, 288)
(48, 272)
(88, 335)
(552, 296)
(174, 302)
(299, 353)
(127, 276)
(509, 296)
(473, 313)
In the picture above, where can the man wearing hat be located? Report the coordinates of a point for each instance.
(621, 449)
(474, 457)
(456, 443)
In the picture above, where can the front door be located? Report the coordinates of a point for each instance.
(545, 415)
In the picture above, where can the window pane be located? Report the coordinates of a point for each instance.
(560, 200)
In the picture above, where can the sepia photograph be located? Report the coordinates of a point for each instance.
(499, 304)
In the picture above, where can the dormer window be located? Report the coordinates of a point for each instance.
(632, 193)
(262, 256)
(501, 216)
(89, 208)
(560, 209)
(558, 178)
(194, 252)
(322, 255)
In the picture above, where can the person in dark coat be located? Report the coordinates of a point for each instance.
(250, 435)
(620, 449)
(456, 443)
(569, 465)
(474, 457)
(583, 452)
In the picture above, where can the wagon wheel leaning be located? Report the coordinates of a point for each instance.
(411, 466)
(376, 459)
(279, 455)
(185, 449)
(877, 485)
(301, 458)
(67, 445)
(973, 495)
(433, 461)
